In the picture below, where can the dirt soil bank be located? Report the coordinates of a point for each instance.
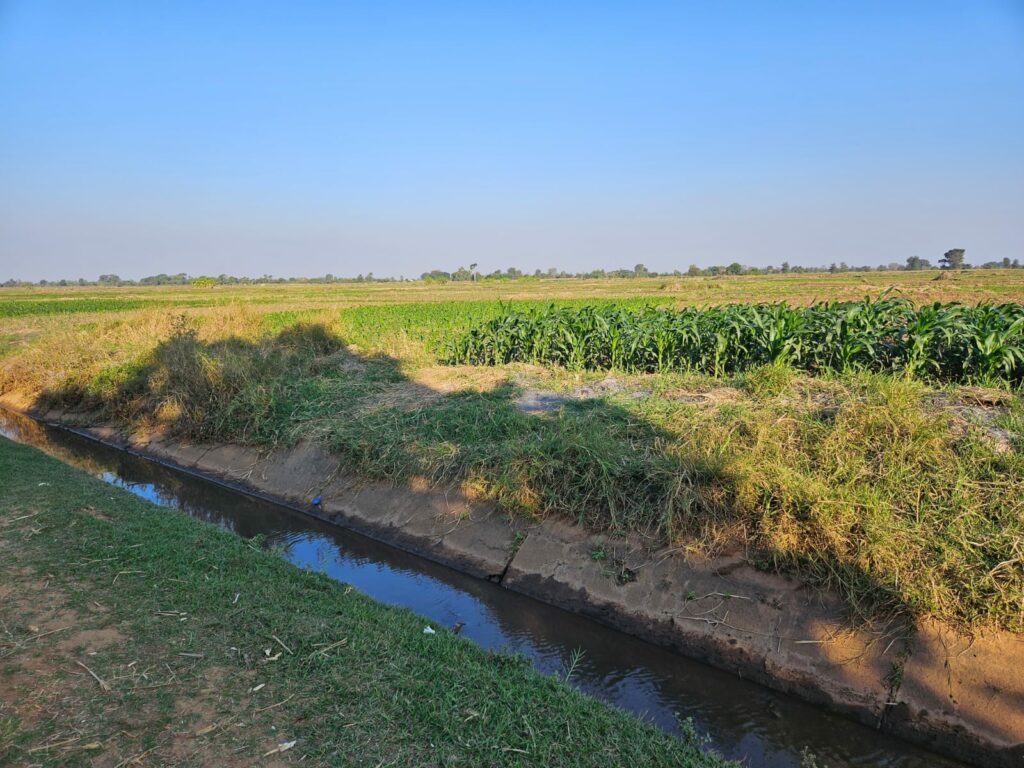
(958, 695)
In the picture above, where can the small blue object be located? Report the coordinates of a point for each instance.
(316, 501)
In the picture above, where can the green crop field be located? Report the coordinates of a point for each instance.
(944, 341)
(58, 306)
(863, 431)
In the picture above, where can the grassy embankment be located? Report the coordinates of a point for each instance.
(903, 494)
(131, 631)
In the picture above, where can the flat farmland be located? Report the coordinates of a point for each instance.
(869, 470)
(797, 288)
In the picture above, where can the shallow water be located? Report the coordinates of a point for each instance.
(742, 720)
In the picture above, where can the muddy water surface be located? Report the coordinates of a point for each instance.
(741, 720)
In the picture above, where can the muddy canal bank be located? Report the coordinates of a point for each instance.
(955, 695)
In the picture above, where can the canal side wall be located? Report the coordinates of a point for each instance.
(958, 695)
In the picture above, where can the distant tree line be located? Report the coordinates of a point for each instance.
(952, 259)
(201, 281)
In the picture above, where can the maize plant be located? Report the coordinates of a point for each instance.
(946, 342)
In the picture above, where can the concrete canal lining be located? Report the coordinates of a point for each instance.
(962, 696)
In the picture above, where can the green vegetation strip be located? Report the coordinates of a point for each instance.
(29, 307)
(903, 499)
(434, 323)
(58, 306)
(352, 682)
(949, 342)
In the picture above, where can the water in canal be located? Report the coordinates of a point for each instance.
(743, 720)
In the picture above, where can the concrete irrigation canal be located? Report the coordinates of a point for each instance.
(742, 719)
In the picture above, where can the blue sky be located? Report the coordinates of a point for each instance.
(301, 138)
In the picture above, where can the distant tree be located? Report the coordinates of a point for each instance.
(472, 272)
(109, 280)
(639, 270)
(436, 276)
(785, 267)
(953, 259)
(204, 281)
(734, 269)
(694, 271)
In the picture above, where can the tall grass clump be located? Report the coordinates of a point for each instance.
(880, 500)
(230, 387)
(940, 341)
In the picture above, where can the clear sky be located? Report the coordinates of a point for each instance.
(299, 138)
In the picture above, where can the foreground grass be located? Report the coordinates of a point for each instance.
(128, 631)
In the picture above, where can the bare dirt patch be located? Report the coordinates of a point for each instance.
(531, 400)
(980, 408)
(713, 396)
(69, 695)
(94, 513)
(91, 640)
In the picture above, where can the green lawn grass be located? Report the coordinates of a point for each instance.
(360, 683)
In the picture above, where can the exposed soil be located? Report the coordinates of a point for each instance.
(982, 408)
(713, 396)
(543, 401)
(68, 684)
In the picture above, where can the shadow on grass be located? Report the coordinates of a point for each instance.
(592, 461)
